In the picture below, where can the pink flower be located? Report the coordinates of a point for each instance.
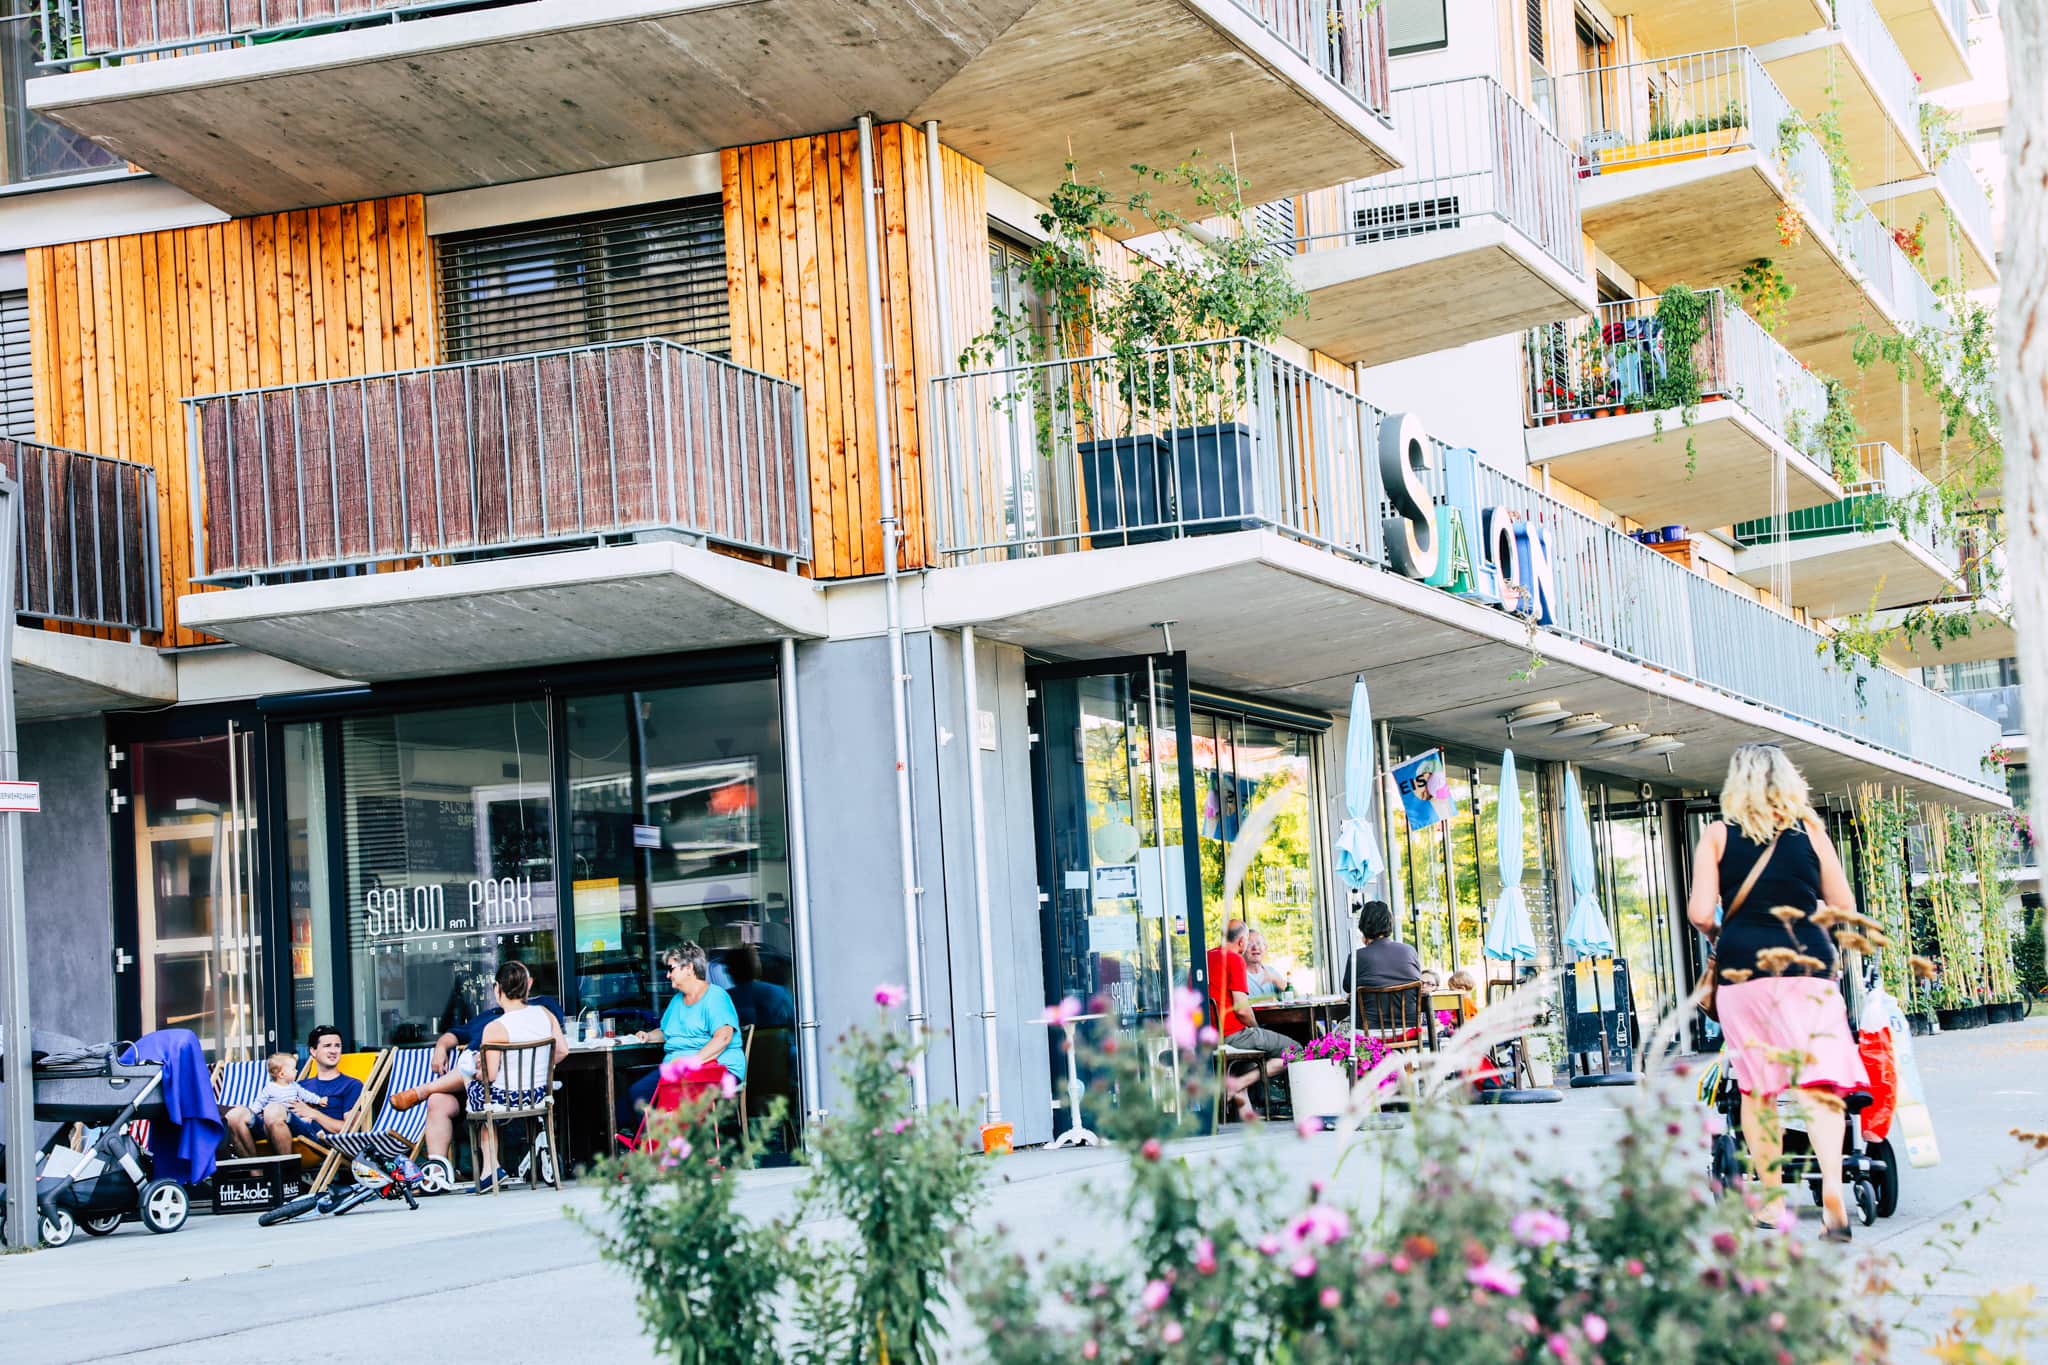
(1150, 1151)
(679, 1148)
(1724, 1242)
(1318, 1224)
(672, 1070)
(1155, 1295)
(1439, 1317)
(1330, 1298)
(1171, 1333)
(1539, 1228)
(1304, 1267)
(1374, 1258)
(1089, 1350)
(1269, 1245)
(889, 997)
(1184, 1018)
(1308, 1124)
(1498, 1278)
(1559, 1347)
(1635, 1267)
(1063, 1013)
(668, 1163)
(1595, 1328)
(898, 1126)
(1400, 1263)
(1205, 1256)
(1776, 1321)
(728, 1085)
(1208, 1037)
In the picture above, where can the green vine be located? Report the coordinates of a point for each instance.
(1834, 145)
(1887, 888)
(1682, 323)
(1836, 436)
(1940, 134)
(1765, 291)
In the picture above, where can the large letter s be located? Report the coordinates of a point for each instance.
(1406, 458)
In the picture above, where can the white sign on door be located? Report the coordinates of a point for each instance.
(21, 796)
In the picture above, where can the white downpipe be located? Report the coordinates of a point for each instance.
(800, 889)
(892, 531)
(970, 683)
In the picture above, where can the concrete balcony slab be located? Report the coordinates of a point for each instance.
(1848, 572)
(1935, 34)
(613, 602)
(1688, 26)
(59, 673)
(1991, 636)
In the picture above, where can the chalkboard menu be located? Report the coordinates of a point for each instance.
(1597, 999)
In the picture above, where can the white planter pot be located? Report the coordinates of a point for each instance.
(1318, 1089)
(1540, 1073)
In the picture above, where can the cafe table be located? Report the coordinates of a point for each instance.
(604, 1057)
(1297, 1016)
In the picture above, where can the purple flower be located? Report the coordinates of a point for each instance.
(889, 997)
(1155, 1295)
(1539, 1228)
(1065, 1012)
(1498, 1278)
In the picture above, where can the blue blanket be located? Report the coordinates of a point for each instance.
(183, 1143)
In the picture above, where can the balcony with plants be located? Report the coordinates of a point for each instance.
(258, 107)
(1942, 221)
(1890, 542)
(1937, 35)
(1477, 236)
(554, 503)
(1850, 79)
(1679, 409)
(1972, 624)
(1157, 456)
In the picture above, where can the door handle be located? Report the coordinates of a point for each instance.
(122, 962)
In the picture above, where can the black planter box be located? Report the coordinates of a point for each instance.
(253, 1184)
(1130, 483)
(1920, 1025)
(2004, 1011)
(1967, 1016)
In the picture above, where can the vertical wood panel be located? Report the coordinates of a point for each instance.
(123, 329)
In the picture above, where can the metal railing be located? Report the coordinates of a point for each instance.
(1891, 496)
(1346, 40)
(1615, 361)
(88, 552)
(2001, 704)
(1967, 200)
(1475, 151)
(34, 147)
(1100, 452)
(1891, 75)
(84, 33)
(491, 456)
(1957, 13)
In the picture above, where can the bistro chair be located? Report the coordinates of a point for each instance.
(521, 1090)
(1227, 1057)
(1397, 1016)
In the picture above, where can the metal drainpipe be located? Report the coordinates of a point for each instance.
(970, 684)
(800, 889)
(899, 710)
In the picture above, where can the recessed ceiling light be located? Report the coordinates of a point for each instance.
(1660, 744)
(1620, 737)
(1585, 723)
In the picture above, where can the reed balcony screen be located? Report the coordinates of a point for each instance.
(557, 449)
(1617, 361)
(1106, 452)
(88, 551)
(102, 28)
(1346, 40)
(1475, 151)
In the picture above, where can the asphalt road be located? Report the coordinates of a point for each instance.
(509, 1278)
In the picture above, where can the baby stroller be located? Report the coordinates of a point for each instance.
(113, 1175)
(1870, 1171)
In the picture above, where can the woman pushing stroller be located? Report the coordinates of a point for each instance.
(1786, 1028)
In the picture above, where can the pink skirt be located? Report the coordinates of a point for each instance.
(1785, 1031)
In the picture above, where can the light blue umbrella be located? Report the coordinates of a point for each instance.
(1585, 931)
(1508, 936)
(1358, 846)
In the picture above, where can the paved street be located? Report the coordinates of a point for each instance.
(384, 1281)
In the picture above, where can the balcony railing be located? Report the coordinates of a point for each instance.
(1346, 40)
(493, 456)
(1891, 496)
(1066, 456)
(2001, 704)
(1475, 151)
(88, 551)
(37, 148)
(1616, 361)
(1966, 198)
(72, 31)
(1891, 75)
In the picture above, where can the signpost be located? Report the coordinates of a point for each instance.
(15, 797)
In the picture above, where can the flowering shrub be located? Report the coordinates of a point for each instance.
(1356, 1053)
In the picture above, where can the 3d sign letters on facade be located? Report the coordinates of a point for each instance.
(1433, 539)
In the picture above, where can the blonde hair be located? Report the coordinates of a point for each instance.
(1764, 795)
(1463, 980)
(285, 1061)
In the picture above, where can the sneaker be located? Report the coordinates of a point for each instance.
(491, 1182)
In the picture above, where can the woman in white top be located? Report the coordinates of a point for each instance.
(514, 1079)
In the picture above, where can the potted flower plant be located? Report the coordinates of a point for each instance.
(1320, 1072)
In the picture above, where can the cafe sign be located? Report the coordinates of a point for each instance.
(491, 905)
(1488, 554)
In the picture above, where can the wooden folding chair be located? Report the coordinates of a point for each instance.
(394, 1132)
(368, 1067)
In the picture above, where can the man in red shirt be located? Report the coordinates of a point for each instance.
(1231, 1002)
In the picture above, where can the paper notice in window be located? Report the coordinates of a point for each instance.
(1112, 934)
(599, 923)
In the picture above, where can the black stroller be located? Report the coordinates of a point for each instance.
(112, 1176)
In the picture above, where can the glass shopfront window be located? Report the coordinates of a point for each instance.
(307, 881)
(447, 829)
(1256, 781)
(1635, 886)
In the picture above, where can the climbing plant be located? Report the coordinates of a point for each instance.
(1682, 323)
(1959, 980)
(1887, 889)
(1766, 291)
(1940, 134)
(1991, 839)
(1836, 435)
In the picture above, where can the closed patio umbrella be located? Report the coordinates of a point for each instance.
(1508, 936)
(1358, 847)
(1585, 931)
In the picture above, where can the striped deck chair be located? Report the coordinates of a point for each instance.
(394, 1133)
(238, 1083)
(367, 1067)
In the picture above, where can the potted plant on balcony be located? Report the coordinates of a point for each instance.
(1164, 446)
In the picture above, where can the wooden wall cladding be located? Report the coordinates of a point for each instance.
(123, 328)
(796, 277)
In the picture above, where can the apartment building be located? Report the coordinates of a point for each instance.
(499, 481)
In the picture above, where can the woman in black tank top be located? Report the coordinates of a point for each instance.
(1786, 1028)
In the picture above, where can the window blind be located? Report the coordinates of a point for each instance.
(17, 374)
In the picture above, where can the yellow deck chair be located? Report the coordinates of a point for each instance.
(370, 1069)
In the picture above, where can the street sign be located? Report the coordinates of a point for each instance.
(21, 796)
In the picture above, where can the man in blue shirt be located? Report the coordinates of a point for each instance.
(281, 1123)
(700, 1028)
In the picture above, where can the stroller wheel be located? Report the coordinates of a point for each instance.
(437, 1175)
(164, 1206)
(1726, 1167)
(1887, 1179)
(1866, 1202)
(101, 1226)
(57, 1228)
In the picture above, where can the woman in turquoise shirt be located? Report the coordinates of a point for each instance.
(700, 1027)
